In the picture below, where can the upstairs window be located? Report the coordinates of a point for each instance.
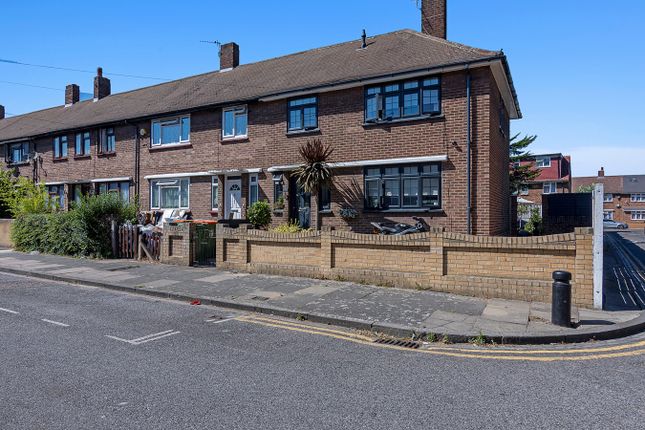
(171, 131)
(82, 146)
(608, 198)
(18, 153)
(543, 161)
(169, 193)
(108, 141)
(234, 122)
(637, 197)
(404, 99)
(403, 187)
(549, 188)
(60, 147)
(303, 114)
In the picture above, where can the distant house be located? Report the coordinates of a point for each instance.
(554, 177)
(624, 199)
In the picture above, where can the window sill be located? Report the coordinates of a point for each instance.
(59, 159)
(404, 120)
(17, 163)
(170, 147)
(278, 211)
(238, 139)
(81, 157)
(106, 154)
(326, 212)
(299, 132)
(410, 210)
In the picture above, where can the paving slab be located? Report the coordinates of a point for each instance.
(507, 311)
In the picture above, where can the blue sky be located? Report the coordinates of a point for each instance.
(578, 66)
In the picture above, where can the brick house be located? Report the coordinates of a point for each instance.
(554, 177)
(419, 127)
(624, 199)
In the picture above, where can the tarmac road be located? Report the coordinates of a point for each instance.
(78, 358)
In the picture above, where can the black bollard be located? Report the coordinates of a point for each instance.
(561, 299)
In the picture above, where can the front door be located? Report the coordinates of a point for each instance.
(233, 198)
(300, 204)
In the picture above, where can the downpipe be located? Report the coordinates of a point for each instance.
(468, 139)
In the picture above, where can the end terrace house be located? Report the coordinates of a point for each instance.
(419, 127)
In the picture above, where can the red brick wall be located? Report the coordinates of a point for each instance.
(341, 125)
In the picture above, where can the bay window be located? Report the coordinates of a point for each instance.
(403, 187)
(169, 193)
(171, 131)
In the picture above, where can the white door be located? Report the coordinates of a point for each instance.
(233, 198)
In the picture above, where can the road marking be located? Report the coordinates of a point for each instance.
(9, 311)
(55, 322)
(147, 338)
(522, 355)
(217, 321)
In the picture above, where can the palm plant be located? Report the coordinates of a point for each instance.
(315, 172)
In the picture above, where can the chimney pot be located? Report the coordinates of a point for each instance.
(2, 112)
(101, 85)
(434, 17)
(229, 56)
(601, 172)
(72, 94)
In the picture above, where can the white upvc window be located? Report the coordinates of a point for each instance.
(638, 197)
(215, 193)
(543, 161)
(608, 198)
(609, 215)
(172, 193)
(234, 122)
(253, 188)
(549, 188)
(638, 215)
(524, 190)
(171, 131)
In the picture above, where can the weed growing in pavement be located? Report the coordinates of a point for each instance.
(301, 317)
(478, 340)
(431, 337)
(445, 339)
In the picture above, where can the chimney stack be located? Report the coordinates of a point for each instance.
(101, 85)
(72, 94)
(434, 17)
(1, 112)
(229, 56)
(601, 172)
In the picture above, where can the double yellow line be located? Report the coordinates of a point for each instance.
(488, 353)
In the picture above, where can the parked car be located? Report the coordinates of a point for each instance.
(607, 223)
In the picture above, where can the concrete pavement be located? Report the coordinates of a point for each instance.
(251, 373)
(397, 312)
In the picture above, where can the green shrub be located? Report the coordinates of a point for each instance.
(534, 224)
(96, 213)
(28, 232)
(259, 214)
(65, 235)
(291, 227)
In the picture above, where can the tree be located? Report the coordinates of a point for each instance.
(315, 172)
(520, 174)
(586, 188)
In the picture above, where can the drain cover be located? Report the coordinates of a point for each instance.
(396, 342)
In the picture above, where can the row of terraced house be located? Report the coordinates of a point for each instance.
(419, 126)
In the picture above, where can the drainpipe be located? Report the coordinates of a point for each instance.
(468, 138)
(137, 159)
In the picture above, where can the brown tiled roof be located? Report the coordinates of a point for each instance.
(397, 52)
(612, 184)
